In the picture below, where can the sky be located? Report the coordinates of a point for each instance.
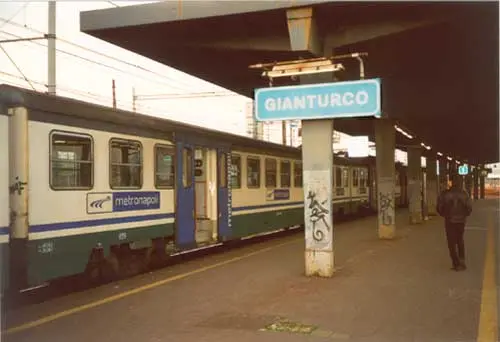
(87, 66)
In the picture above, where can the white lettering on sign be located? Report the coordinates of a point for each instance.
(359, 98)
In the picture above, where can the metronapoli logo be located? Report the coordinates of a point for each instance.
(99, 202)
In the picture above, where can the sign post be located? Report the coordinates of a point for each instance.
(316, 105)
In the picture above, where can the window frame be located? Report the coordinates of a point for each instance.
(259, 159)
(110, 164)
(301, 185)
(155, 170)
(345, 177)
(240, 175)
(188, 182)
(222, 177)
(338, 170)
(275, 186)
(355, 174)
(92, 159)
(289, 162)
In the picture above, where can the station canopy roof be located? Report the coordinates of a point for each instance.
(438, 62)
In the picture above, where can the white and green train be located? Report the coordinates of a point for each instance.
(86, 188)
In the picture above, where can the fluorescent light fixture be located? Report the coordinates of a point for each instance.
(440, 154)
(303, 69)
(425, 146)
(400, 130)
(457, 161)
(449, 158)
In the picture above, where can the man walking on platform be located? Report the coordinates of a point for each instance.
(455, 206)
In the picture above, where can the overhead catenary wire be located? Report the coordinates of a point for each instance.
(177, 80)
(98, 97)
(7, 21)
(106, 100)
(97, 62)
(17, 67)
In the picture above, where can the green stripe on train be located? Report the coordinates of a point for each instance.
(64, 256)
(262, 222)
(68, 255)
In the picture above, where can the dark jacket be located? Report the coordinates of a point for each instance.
(454, 205)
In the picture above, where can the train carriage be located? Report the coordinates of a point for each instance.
(266, 191)
(109, 192)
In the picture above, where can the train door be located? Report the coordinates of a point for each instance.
(185, 196)
(223, 194)
(206, 175)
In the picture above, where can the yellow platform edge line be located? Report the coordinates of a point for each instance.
(106, 300)
(488, 317)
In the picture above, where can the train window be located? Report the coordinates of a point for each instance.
(253, 172)
(164, 167)
(362, 178)
(235, 172)
(126, 164)
(355, 178)
(345, 176)
(187, 167)
(71, 161)
(285, 173)
(338, 177)
(223, 170)
(271, 173)
(297, 174)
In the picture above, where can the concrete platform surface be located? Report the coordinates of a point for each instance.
(398, 290)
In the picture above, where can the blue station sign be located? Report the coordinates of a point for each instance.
(319, 101)
(463, 170)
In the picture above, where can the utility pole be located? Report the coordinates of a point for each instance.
(134, 98)
(51, 45)
(114, 93)
(283, 131)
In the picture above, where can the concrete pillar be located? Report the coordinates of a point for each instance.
(423, 191)
(317, 155)
(443, 174)
(317, 163)
(432, 185)
(452, 169)
(415, 184)
(476, 183)
(385, 139)
(468, 183)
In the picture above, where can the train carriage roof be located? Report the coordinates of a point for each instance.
(11, 96)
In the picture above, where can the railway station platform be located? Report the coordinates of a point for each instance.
(383, 290)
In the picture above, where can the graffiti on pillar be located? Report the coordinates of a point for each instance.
(317, 216)
(386, 208)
